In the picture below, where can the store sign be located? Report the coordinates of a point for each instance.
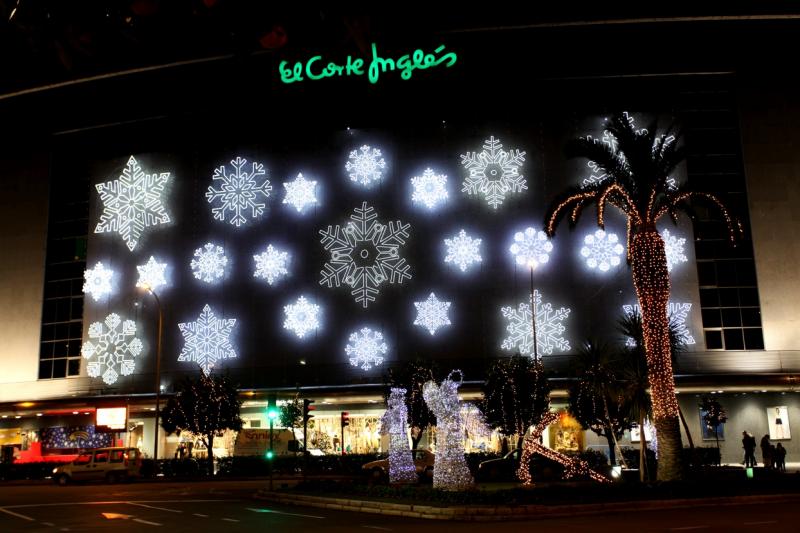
(112, 418)
(316, 69)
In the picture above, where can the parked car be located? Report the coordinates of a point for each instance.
(500, 469)
(110, 464)
(423, 461)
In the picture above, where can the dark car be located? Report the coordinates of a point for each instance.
(501, 469)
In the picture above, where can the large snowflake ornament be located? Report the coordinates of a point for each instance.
(602, 250)
(300, 193)
(365, 254)
(673, 247)
(494, 172)
(365, 165)
(678, 314)
(209, 263)
(531, 248)
(463, 250)
(242, 191)
(271, 265)
(430, 189)
(432, 314)
(97, 281)
(366, 348)
(151, 274)
(207, 340)
(301, 317)
(132, 203)
(549, 327)
(114, 346)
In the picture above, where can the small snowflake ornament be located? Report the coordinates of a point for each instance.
(463, 250)
(97, 281)
(549, 327)
(207, 340)
(151, 274)
(602, 250)
(271, 265)
(301, 317)
(493, 172)
(300, 193)
(531, 248)
(114, 346)
(242, 191)
(209, 263)
(430, 189)
(432, 314)
(365, 165)
(366, 348)
(674, 248)
(132, 203)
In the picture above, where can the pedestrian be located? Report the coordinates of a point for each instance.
(780, 457)
(766, 451)
(749, 445)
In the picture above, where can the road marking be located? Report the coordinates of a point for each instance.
(760, 523)
(110, 502)
(270, 511)
(200, 515)
(378, 527)
(147, 522)
(686, 528)
(230, 519)
(12, 513)
(116, 516)
(154, 507)
(49, 524)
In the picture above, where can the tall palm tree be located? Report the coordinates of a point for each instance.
(637, 164)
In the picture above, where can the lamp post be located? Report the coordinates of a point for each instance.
(150, 290)
(532, 265)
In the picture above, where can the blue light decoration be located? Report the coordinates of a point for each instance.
(73, 438)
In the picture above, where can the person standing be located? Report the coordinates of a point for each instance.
(766, 451)
(780, 457)
(749, 445)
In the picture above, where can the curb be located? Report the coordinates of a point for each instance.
(482, 513)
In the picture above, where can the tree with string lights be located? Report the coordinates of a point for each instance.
(205, 406)
(412, 376)
(714, 415)
(637, 164)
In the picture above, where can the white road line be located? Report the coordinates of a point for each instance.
(200, 515)
(378, 527)
(12, 513)
(230, 519)
(49, 524)
(270, 511)
(147, 522)
(760, 523)
(154, 507)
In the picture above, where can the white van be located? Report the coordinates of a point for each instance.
(110, 464)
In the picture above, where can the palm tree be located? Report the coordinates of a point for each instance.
(633, 379)
(637, 164)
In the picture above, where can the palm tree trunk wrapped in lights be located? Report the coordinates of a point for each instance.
(637, 167)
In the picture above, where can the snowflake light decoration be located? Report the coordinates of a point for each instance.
(207, 340)
(549, 327)
(300, 193)
(114, 346)
(673, 246)
(463, 250)
(365, 165)
(301, 317)
(271, 265)
(151, 274)
(209, 263)
(678, 315)
(365, 254)
(493, 172)
(132, 203)
(97, 281)
(531, 248)
(241, 191)
(432, 314)
(366, 348)
(602, 250)
(429, 189)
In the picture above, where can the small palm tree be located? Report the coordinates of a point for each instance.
(637, 165)
(634, 385)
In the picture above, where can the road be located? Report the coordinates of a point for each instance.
(228, 506)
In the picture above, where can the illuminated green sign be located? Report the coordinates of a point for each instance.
(315, 69)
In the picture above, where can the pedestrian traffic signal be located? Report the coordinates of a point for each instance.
(270, 455)
(272, 409)
(345, 418)
(307, 408)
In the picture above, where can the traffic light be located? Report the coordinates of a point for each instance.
(270, 454)
(345, 418)
(272, 409)
(307, 408)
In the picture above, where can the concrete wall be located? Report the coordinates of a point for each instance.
(770, 126)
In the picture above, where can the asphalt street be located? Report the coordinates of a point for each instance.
(229, 506)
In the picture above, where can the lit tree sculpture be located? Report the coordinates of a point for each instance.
(395, 424)
(450, 470)
(637, 168)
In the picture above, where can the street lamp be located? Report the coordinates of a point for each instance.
(149, 289)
